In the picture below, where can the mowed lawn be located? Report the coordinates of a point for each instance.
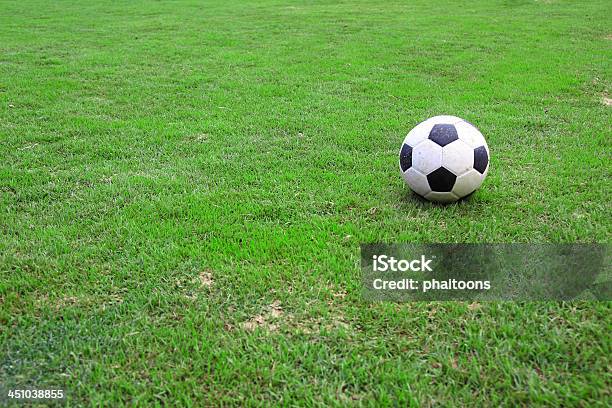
(184, 186)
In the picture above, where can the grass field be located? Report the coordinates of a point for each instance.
(184, 186)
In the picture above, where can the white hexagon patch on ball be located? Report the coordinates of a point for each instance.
(444, 159)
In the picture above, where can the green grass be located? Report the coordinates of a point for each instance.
(148, 147)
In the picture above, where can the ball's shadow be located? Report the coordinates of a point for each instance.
(412, 198)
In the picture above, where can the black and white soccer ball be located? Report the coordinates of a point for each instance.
(444, 159)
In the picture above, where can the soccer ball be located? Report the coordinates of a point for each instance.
(444, 159)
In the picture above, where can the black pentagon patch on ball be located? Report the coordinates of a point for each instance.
(443, 134)
(481, 159)
(406, 157)
(441, 180)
